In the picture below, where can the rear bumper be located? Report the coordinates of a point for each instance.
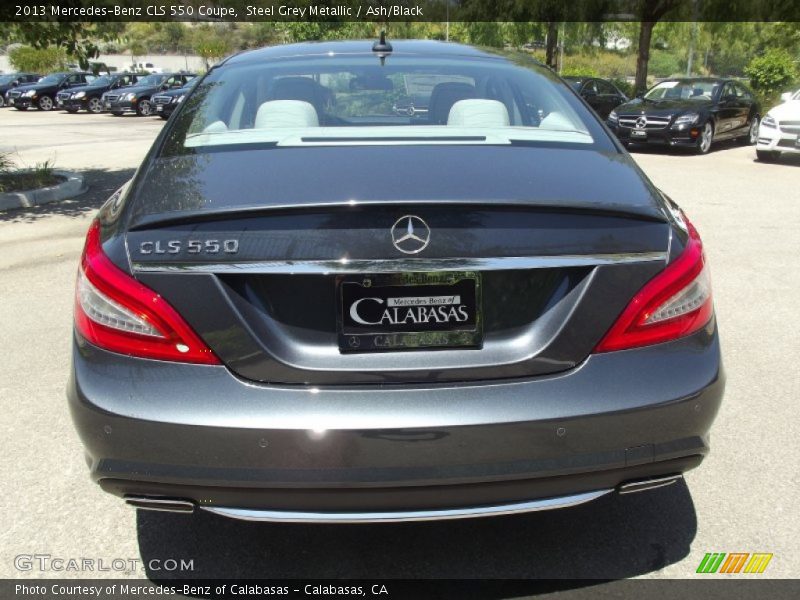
(198, 433)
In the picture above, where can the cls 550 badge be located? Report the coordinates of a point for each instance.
(190, 246)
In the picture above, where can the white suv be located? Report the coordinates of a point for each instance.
(779, 130)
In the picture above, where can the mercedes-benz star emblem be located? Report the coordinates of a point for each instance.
(410, 234)
(641, 122)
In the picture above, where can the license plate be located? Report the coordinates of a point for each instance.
(409, 311)
(108, 104)
(11, 102)
(638, 134)
(159, 108)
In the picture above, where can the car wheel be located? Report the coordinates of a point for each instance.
(752, 134)
(704, 139)
(45, 103)
(144, 109)
(94, 106)
(2, 101)
(767, 155)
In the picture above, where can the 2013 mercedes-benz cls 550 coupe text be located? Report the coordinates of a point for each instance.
(308, 307)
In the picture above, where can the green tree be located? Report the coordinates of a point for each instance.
(37, 60)
(772, 72)
(210, 44)
(76, 39)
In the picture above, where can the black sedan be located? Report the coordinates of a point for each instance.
(689, 113)
(603, 96)
(11, 80)
(89, 97)
(166, 102)
(306, 307)
(42, 94)
(136, 98)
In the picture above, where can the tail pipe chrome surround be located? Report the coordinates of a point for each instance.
(642, 485)
(161, 503)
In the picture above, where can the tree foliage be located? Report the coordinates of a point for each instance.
(37, 60)
(772, 72)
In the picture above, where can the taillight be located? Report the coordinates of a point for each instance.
(116, 312)
(674, 304)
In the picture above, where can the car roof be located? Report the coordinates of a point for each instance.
(429, 47)
(698, 79)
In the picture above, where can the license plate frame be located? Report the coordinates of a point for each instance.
(440, 297)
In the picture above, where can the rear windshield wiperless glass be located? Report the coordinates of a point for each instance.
(354, 100)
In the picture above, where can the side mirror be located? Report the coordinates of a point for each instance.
(786, 96)
(14, 83)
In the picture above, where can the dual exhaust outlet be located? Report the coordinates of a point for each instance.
(185, 506)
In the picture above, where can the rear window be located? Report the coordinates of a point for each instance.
(354, 100)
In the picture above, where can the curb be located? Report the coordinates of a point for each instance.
(73, 186)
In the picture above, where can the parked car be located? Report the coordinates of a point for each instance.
(146, 67)
(787, 96)
(689, 113)
(136, 98)
(166, 102)
(603, 96)
(779, 131)
(89, 97)
(306, 307)
(9, 81)
(42, 94)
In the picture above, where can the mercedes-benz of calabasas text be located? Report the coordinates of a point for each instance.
(308, 307)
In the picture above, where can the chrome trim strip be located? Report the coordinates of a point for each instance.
(403, 265)
(160, 504)
(247, 514)
(644, 485)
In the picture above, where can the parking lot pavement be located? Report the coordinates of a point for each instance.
(742, 499)
(76, 141)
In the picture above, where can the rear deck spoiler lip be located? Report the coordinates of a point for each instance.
(345, 266)
(637, 212)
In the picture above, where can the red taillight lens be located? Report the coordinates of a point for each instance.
(675, 303)
(116, 312)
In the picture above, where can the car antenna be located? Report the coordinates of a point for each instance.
(382, 47)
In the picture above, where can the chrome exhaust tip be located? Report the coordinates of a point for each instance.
(160, 503)
(642, 485)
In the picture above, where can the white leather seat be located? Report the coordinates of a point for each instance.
(556, 121)
(286, 113)
(216, 127)
(478, 113)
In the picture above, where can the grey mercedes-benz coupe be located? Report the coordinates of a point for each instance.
(306, 306)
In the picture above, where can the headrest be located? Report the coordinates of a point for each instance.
(478, 113)
(286, 113)
(215, 127)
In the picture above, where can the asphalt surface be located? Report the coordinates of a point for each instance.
(742, 499)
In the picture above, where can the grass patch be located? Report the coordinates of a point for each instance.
(12, 180)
